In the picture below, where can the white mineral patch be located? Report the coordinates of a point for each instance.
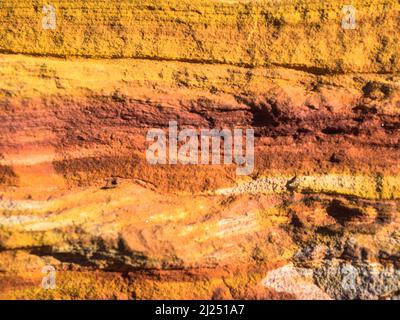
(296, 281)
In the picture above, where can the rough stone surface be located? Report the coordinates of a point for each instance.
(317, 219)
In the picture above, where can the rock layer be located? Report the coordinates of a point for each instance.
(299, 34)
(318, 217)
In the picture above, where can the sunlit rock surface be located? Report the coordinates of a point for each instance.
(318, 218)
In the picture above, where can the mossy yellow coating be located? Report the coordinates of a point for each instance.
(375, 187)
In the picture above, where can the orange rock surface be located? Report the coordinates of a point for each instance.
(318, 218)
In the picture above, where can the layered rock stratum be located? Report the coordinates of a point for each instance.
(318, 218)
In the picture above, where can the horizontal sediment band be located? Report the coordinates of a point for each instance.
(305, 35)
(85, 120)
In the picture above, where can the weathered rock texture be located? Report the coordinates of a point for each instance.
(317, 219)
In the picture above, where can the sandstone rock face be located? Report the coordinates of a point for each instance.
(317, 218)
